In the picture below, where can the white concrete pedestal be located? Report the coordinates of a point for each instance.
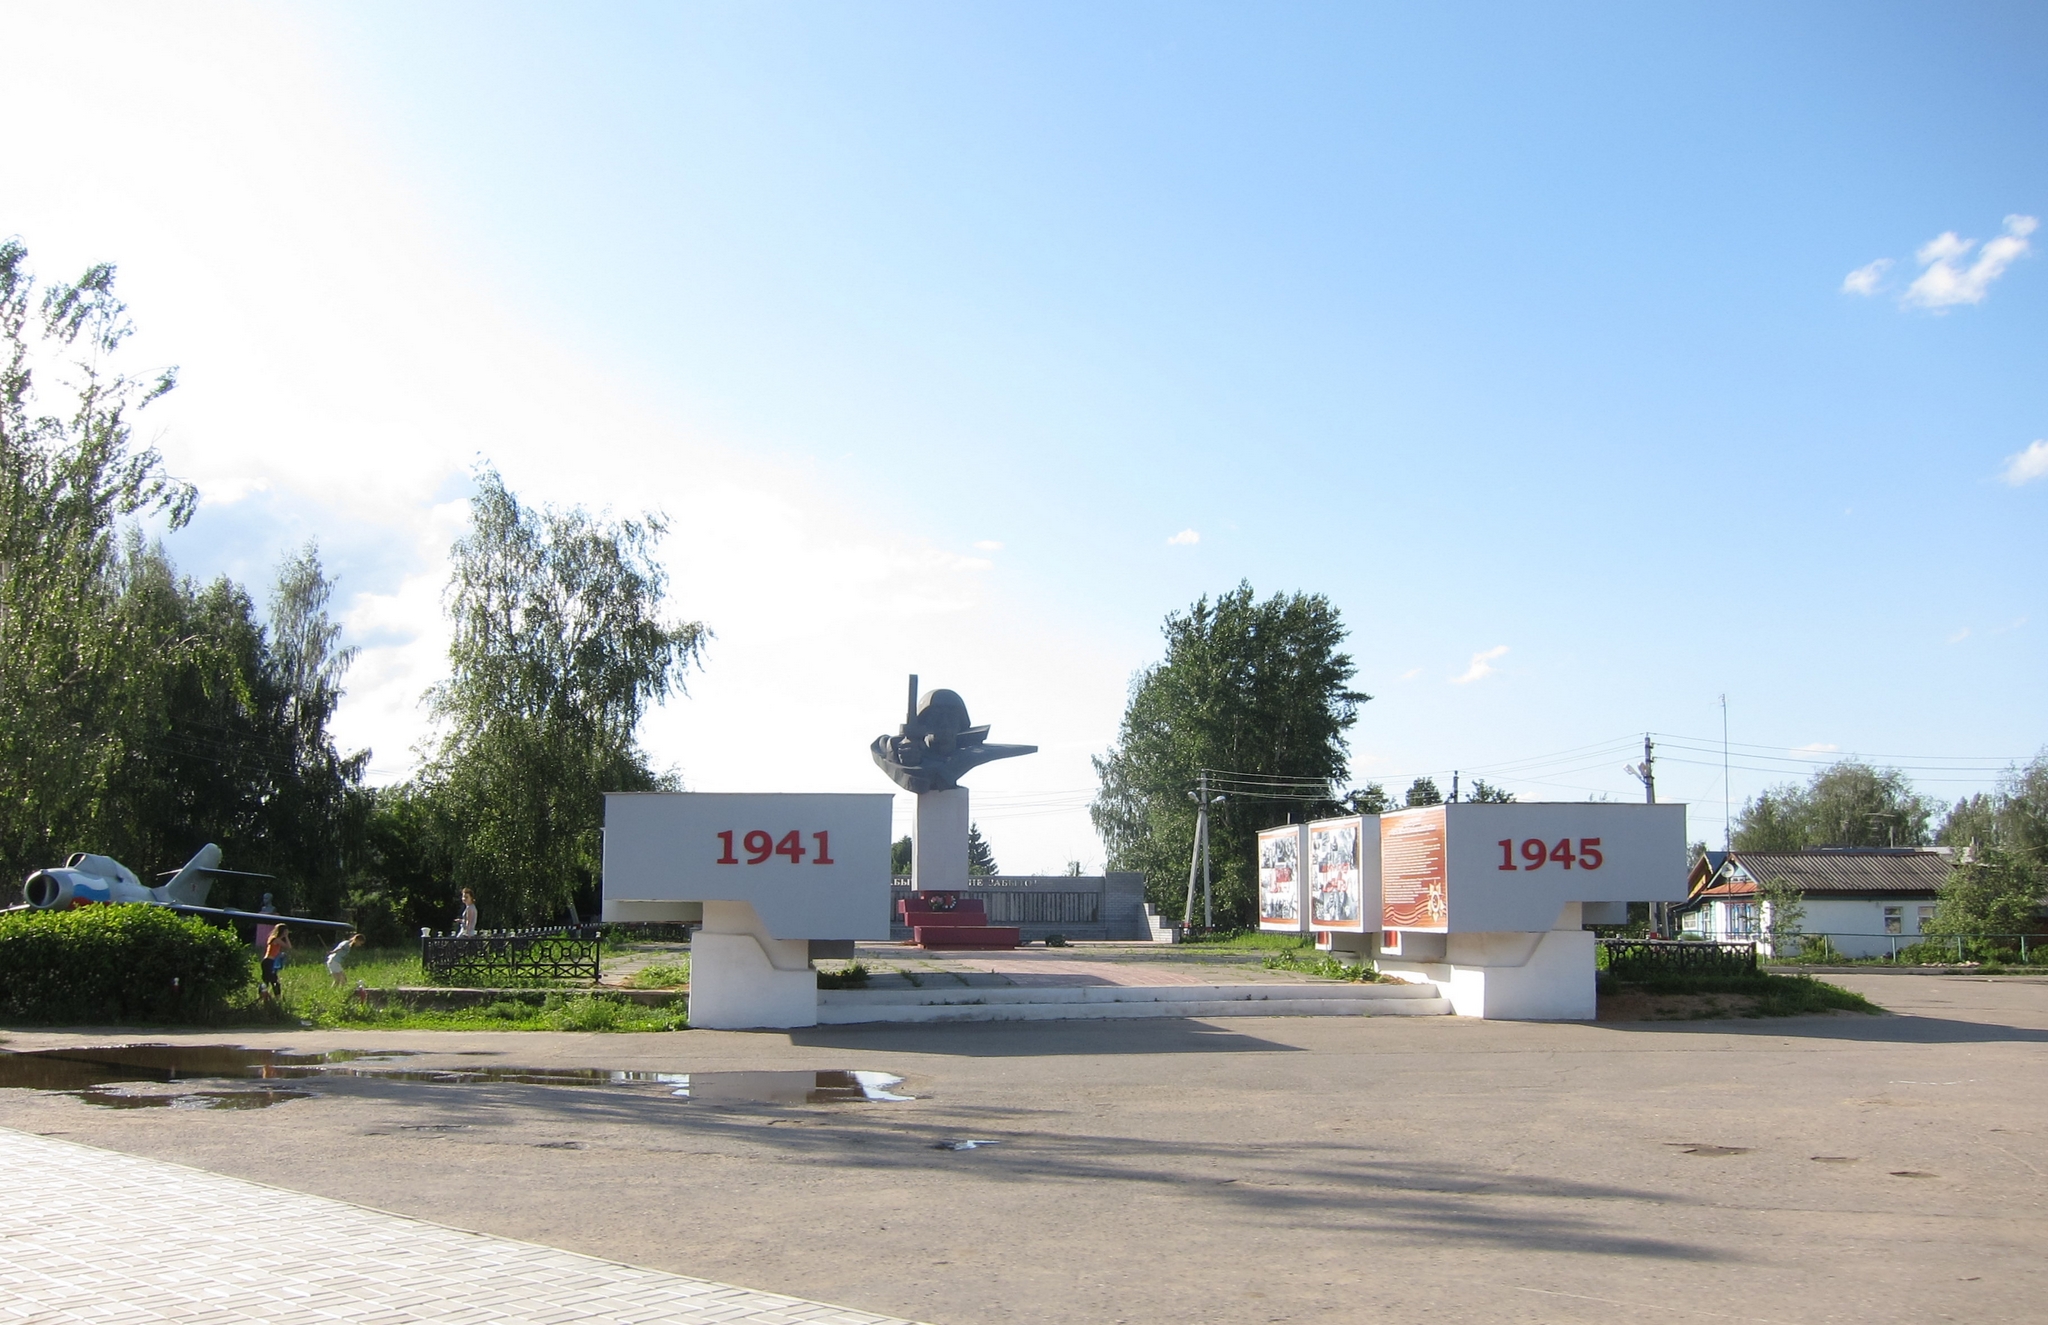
(938, 842)
(740, 978)
(1546, 976)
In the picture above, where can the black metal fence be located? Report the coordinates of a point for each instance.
(1652, 959)
(506, 958)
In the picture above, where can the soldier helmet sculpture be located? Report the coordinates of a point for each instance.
(937, 745)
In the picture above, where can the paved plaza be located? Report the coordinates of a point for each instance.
(97, 1236)
(1842, 1168)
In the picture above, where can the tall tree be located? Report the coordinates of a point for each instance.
(1257, 689)
(142, 714)
(1991, 890)
(2014, 817)
(1849, 804)
(1423, 791)
(558, 650)
(981, 857)
(71, 661)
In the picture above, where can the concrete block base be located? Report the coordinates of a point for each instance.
(741, 979)
(1544, 976)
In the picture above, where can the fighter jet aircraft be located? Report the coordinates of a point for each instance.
(88, 880)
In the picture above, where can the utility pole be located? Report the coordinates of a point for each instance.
(1199, 855)
(1727, 801)
(1202, 830)
(1454, 786)
(1645, 772)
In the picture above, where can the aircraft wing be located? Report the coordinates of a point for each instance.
(236, 874)
(259, 917)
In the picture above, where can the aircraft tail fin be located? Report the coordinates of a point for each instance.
(189, 886)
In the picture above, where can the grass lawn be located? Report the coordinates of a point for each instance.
(1703, 996)
(311, 998)
(1250, 940)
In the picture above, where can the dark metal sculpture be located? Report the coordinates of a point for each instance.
(936, 745)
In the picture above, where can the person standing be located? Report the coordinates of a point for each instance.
(466, 922)
(268, 908)
(275, 949)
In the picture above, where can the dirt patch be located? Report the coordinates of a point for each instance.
(1634, 1005)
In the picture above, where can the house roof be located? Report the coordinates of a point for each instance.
(1861, 871)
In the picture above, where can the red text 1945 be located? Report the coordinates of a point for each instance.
(762, 846)
(1536, 853)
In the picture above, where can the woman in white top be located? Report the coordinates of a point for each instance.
(335, 955)
(467, 923)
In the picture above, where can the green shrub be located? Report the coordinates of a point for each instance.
(855, 976)
(118, 963)
(584, 1013)
(1821, 950)
(661, 975)
(1322, 964)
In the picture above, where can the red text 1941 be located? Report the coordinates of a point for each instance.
(762, 846)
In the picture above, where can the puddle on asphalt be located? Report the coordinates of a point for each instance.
(86, 1073)
(192, 1099)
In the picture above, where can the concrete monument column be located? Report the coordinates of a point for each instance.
(938, 842)
(936, 747)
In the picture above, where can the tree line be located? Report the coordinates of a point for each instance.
(1258, 693)
(143, 713)
(1999, 837)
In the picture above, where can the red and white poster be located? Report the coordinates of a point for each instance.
(1412, 877)
(1336, 887)
(1280, 878)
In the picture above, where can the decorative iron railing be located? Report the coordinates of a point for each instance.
(504, 958)
(1648, 959)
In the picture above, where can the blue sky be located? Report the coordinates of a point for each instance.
(971, 340)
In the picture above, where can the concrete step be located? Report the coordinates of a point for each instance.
(1095, 1002)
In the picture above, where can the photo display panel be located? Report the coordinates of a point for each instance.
(1414, 887)
(1337, 892)
(812, 866)
(1281, 881)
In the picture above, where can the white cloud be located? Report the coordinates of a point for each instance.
(2027, 465)
(1865, 279)
(1185, 538)
(1816, 748)
(1482, 666)
(1960, 636)
(1945, 284)
(988, 545)
(1411, 674)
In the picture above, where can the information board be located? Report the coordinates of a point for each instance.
(812, 866)
(1414, 873)
(1281, 884)
(1343, 873)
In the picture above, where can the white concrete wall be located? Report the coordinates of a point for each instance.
(1529, 976)
(741, 978)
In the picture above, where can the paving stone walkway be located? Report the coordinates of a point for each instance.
(95, 1236)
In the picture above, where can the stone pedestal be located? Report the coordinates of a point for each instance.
(741, 979)
(1543, 976)
(938, 842)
